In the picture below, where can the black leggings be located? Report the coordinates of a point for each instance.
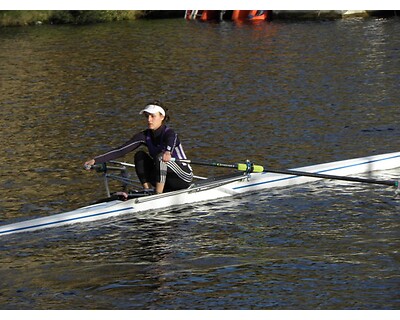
(178, 176)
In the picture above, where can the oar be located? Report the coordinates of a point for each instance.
(133, 166)
(249, 167)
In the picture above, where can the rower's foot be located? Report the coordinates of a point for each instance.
(121, 195)
(149, 191)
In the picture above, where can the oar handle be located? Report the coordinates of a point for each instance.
(103, 167)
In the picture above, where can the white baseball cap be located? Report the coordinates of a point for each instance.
(153, 108)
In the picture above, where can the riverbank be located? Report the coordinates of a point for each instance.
(37, 17)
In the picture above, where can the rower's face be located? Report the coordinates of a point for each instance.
(154, 121)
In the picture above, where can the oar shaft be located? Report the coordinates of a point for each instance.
(210, 164)
(257, 168)
(239, 166)
(334, 177)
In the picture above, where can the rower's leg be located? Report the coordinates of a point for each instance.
(160, 187)
(144, 166)
(162, 168)
(147, 185)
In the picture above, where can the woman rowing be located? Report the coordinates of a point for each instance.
(155, 169)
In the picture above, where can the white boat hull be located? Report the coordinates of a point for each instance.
(206, 191)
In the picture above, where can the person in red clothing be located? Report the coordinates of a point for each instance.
(154, 169)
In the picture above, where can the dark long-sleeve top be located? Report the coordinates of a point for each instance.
(157, 141)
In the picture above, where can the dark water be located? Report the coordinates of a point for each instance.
(281, 94)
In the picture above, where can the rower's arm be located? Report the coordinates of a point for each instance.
(132, 144)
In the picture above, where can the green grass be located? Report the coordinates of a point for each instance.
(32, 17)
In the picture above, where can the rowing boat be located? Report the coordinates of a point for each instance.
(209, 190)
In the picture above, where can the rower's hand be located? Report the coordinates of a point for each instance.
(166, 156)
(88, 164)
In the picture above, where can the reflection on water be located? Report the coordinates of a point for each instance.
(281, 94)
